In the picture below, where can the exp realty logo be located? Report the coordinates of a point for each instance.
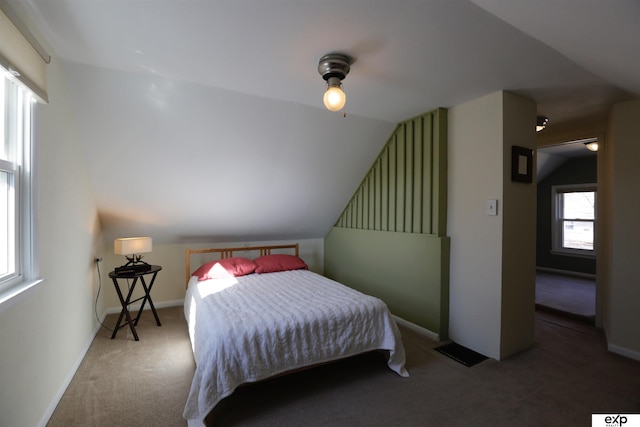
(615, 420)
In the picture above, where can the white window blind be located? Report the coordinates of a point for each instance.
(24, 62)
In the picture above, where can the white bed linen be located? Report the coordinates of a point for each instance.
(250, 328)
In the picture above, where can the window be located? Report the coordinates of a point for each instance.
(574, 219)
(22, 79)
(15, 190)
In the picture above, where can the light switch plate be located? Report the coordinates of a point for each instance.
(492, 207)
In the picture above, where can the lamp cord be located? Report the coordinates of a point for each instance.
(95, 309)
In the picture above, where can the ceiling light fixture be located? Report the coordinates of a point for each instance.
(541, 123)
(334, 67)
(591, 146)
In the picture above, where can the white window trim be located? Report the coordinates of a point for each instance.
(556, 223)
(27, 278)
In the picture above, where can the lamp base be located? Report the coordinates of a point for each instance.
(133, 268)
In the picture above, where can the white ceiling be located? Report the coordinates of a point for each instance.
(235, 82)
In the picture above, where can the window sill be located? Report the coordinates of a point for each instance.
(16, 293)
(575, 254)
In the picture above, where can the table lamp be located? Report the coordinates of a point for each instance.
(131, 248)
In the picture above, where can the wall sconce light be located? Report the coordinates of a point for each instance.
(334, 67)
(541, 123)
(131, 248)
(591, 146)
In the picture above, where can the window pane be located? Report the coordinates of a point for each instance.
(577, 235)
(5, 247)
(3, 131)
(579, 205)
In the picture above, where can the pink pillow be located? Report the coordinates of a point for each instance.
(279, 262)
(224, 268)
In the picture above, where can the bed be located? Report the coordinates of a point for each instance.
(252, 319)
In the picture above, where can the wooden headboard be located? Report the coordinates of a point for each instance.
(229, 252)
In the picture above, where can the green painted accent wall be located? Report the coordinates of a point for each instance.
(390, 239)
(408, 271)
(405, 189)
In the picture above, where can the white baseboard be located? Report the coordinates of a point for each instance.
(134, 307)
(419, 329)
(65, 384)
(622, 351)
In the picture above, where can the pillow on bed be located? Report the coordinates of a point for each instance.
(279, 262)
(224, 268)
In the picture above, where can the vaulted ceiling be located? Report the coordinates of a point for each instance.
(203, 119)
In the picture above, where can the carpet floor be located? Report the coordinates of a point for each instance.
(568, 294)
(566, 376)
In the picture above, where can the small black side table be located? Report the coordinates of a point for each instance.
(126, 302)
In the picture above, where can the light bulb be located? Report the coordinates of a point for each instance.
(541, 123)
(334, 98)
(591, 146)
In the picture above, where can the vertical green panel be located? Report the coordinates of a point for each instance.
(408, 173)
(439, 167)
(358, 210)
(418, 171)
(365, 204)
(379, 195)
(372, 200)
(384, 189)
(361, 205)
(392, 185)
(345, 216)
(354, 210)
(378, 205)
(426, 177)
(400, 181)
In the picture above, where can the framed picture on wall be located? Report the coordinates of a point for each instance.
(521, 164)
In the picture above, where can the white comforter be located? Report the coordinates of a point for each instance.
(253, 327)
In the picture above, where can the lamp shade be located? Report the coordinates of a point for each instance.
(132, 245)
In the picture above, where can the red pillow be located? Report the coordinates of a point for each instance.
(279, 262)
(224, 268)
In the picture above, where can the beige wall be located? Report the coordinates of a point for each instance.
(622, 230)
(475, 175)
(518, 231)
(45, 335)
(492, 274)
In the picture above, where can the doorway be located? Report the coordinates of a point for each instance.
(566, 246)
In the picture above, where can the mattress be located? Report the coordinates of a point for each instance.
(249, 328)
